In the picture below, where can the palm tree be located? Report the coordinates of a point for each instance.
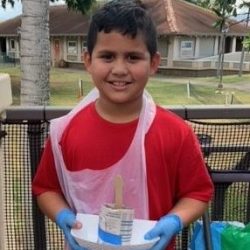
(202, 3)
(35, 53)
(4, 2)
(244, 4)
(35, 49)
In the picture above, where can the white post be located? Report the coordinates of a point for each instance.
(197, 48)
(188, 89)
(233, 48)
(171, 55)
(79, 49)
(80, 88)
(227, 98)
(216, 46)
(7, 46)
(5, 100)
(65, 45)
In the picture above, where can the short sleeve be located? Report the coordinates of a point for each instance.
(46, 177)
(193, 178)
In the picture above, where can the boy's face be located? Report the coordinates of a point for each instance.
(120, 67)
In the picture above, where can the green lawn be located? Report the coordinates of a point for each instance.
(165, 90)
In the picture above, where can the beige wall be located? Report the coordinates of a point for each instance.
(206, 47)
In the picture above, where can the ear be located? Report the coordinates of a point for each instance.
(87, 61)
(155, 62)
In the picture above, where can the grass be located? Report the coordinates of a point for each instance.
(64, 86)
(176, 94)
(164, 89)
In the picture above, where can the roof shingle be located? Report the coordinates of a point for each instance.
(170, 16)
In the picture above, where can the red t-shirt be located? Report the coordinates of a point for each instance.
(175, 166)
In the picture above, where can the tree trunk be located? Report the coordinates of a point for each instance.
(220, 85)
(220, 61)
(219, 56)
(35, 52)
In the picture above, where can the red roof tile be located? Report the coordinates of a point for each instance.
(10, 27)
(170, 16)
(181, 17)
(62, 22)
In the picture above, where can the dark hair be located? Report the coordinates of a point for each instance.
(129, 17)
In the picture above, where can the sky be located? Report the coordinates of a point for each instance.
(10, 12)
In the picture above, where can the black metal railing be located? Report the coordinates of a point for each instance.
(224, 135)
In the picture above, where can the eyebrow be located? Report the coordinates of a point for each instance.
(139, 53)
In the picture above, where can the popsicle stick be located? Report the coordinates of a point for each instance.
(118, 191)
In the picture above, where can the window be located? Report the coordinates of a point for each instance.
(12, 44)
(186, 45)
(72, 48)
(187, 49)
(84, 46)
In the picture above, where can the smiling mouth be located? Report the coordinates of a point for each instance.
(119, 83)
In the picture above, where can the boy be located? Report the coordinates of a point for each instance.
(117, 129)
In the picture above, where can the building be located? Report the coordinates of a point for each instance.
(186, 39)
(67, 34)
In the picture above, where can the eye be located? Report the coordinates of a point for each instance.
(134, 58)
(107, 57)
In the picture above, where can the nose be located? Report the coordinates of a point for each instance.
(119, 67)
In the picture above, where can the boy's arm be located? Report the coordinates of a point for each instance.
(54, 206)
(183, 213)
(51, 203)
(189, 210)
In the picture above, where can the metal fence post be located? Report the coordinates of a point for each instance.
(2, 197)
(35, 143)
(207, 231)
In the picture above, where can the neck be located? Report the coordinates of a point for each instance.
(118, 113)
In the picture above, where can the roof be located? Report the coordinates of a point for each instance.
(10, 27)
(181, 17)
(171, 17)
(65, 22)
(62, 22)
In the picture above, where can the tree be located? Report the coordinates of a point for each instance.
(35, 52)
(224, 9)
(202, 3)
(80, 5)
(4, 2)
(35, 47)
(244, 4)
(246, 42)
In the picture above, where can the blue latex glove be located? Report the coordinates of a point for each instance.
(166, 228)
(65, 219)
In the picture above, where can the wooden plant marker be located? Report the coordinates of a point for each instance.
(118, 192)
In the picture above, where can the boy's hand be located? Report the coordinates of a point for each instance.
(66, 219)
(166, 228)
